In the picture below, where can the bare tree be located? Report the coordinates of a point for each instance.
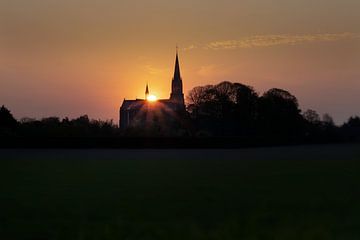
(311, 116)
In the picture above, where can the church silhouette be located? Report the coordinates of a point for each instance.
(144, 113)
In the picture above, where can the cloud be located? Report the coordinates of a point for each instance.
(207, 70)
(214, 71)
(191, 47)
(276, 40)
(154, 70)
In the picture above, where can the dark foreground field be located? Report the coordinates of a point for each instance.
(308, 192)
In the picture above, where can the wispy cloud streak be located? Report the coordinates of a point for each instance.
(275, 40)
(191, 47)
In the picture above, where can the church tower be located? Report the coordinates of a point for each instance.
(177, 95)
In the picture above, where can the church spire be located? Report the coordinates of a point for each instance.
(147, 91)
(177, 76)
(177, 94)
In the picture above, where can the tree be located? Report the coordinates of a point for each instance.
(351, 129)
(246, 99)
(313, 129)
(210, 101)
(311, 116)
(7, 120)
(198, 98)
(353, 122)
(328, 120)
(282, 96)
(279, 114)
(223, 109)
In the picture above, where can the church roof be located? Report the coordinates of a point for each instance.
(139, 103)
(132, 104)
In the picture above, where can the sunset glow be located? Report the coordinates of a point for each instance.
(152, 98)
(67, 58)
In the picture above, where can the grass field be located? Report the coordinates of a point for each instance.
(306, 192)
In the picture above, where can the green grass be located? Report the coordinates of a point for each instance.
(306, 192)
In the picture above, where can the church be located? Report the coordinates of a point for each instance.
(149, 112)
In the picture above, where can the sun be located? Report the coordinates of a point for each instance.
(152, 98)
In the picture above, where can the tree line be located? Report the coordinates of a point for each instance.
(222, 110)
(82, 126)
(235, 109)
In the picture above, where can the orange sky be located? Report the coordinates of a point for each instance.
(67, 58)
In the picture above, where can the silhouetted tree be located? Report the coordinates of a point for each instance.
(353, 122)
(246, 112)
(313, 126)
(223, 109)
(330, 132)
(25, 120)
(6, 118)
(312, 116)
(54, 127)
(279, 115)
(328, 120)
(351, 129)
(7, 121)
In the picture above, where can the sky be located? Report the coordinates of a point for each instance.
(75, 57)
